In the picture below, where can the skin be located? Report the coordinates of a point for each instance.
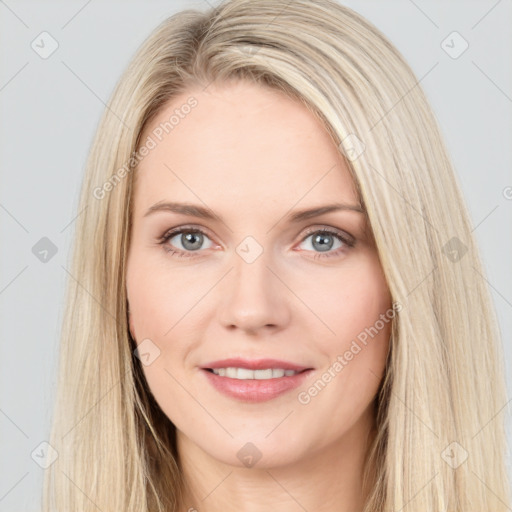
(241, 147)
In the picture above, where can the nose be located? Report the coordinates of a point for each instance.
(253, 299)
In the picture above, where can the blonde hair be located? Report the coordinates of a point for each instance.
(444, 381)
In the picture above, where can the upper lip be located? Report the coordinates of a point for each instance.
(255, 364)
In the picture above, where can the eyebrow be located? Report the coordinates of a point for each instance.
(205, 213)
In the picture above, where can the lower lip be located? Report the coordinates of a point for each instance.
(255, 390)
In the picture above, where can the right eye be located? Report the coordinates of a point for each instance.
(190, 240)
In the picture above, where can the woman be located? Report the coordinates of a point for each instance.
(278, 301)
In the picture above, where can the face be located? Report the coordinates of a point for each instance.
(254, 286)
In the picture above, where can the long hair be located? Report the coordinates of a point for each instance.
(440, 439)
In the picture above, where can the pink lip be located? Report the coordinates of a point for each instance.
(255, 390)
(255, 364)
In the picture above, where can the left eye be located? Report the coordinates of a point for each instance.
(323, 241)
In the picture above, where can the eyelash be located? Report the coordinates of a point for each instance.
(348, 242)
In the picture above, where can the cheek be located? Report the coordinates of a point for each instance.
(358, 311)
(351, 301)
(159, 297)
(157, 306)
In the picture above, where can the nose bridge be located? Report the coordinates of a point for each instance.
(252, 297)
(250, 270)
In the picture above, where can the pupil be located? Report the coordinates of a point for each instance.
(324, 246)
(189, 239)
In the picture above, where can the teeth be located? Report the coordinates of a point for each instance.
(240, 373)
(231, 372)
(246, 374)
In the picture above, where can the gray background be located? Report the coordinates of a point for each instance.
(50, 109)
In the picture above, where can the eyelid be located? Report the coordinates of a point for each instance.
(312, 229)
(347, 237)
(185, 227)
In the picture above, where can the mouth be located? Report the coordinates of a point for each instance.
(254, 381)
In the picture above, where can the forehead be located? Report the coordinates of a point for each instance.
(244, 143)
